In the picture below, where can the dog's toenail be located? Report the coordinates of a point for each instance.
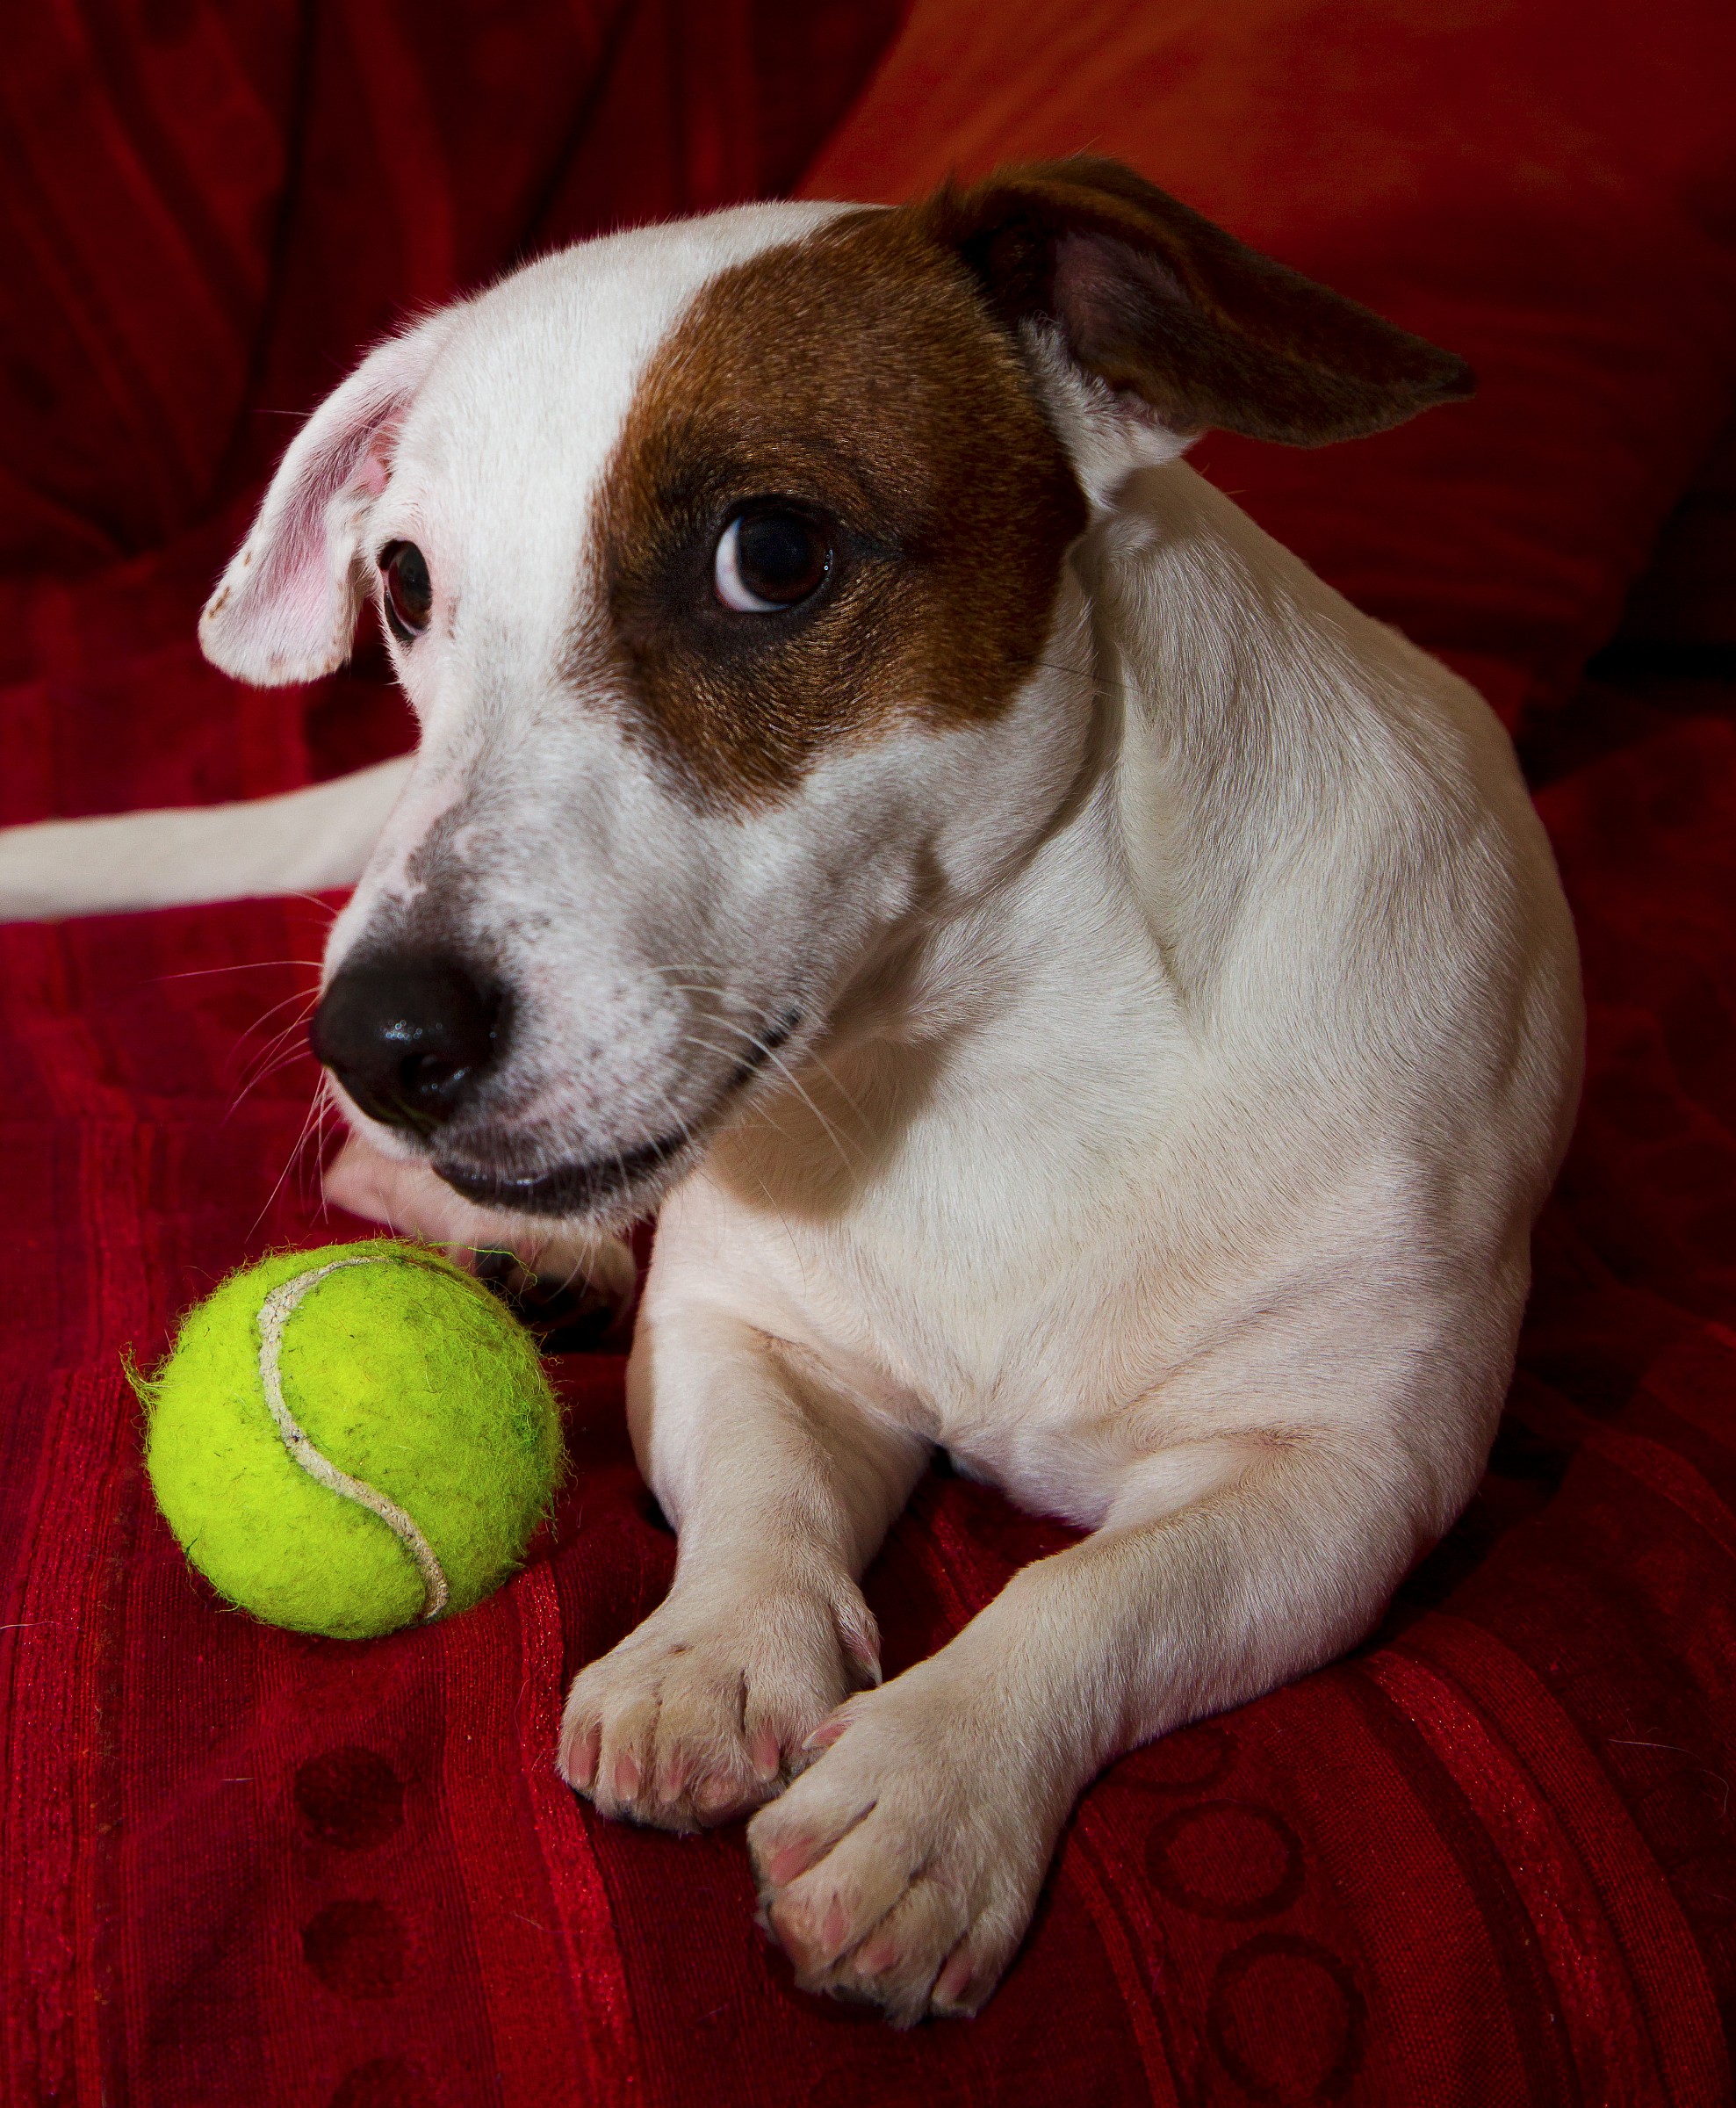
(765, 1754)
(582, 1762)
(626, 1777)
(827, 1732)
(954, 1980)
(713, 1794)
(876, 1957)
(788, 1861)
(835, 1933)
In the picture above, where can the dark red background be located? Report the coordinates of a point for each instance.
(1489, 1858)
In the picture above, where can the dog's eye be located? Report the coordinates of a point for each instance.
(409, 591)
(769, 559)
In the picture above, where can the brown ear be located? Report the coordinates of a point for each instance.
(1150, 298)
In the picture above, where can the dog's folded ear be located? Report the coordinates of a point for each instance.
(286, 609)
(1152, 300)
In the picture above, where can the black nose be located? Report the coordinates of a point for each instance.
(409, 1039)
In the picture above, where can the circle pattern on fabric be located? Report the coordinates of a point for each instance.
(356, 1948)
(1227, 1859)
(1286, 2020)
(1189, 1761)
(384, 2082)
(350, 1798)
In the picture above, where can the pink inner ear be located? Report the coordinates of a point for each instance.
(287, 605)
(291, 585)
(1095, 275)
(1083, 271)
(295, 574)
(374, 469)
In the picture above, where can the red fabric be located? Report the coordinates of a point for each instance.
(1543, 186)
(1488, 1859)
(208, 208)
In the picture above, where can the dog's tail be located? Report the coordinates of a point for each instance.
(304, 841)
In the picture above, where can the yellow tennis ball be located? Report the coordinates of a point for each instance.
(352, 1439)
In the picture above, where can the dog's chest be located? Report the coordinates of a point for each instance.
(1019, 1345)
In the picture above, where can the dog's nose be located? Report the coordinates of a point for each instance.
(408, 1038)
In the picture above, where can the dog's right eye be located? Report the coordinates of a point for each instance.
(770, 559)
(409, 591)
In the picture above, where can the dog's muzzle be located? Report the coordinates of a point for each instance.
(570, 1189)
(410, 1038)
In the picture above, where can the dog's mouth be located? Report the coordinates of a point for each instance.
(569, 1188)
(594, 1183)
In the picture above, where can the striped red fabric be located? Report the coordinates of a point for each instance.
(1488, 1859)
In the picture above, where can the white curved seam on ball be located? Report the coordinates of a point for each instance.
(274, 1314)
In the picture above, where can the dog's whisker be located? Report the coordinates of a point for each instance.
(313, 1133)
(282, 1049)
(273, 1059)
(293, 1157)
(830, 1075)
(1102, 681)
(323, 1111)
(309, 1142)
(278, 1068)
(307, 1002)
(285, 1044)
(795, 1083)
(759, 1111)
(771, 1054)
(307, 997)
(196, 973)
(767, 1053)
(265, 1063)
(285, 1031)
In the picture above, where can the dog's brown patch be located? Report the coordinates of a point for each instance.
(873, 376)
(859, 374)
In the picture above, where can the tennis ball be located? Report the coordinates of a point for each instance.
(352, 1439)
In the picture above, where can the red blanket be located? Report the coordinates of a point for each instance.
(1487, 1858)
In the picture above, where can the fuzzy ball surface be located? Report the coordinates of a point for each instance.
(410, 1381)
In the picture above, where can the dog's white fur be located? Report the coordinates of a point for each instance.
(1186, 1053)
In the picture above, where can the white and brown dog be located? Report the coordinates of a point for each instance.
(1079, 994)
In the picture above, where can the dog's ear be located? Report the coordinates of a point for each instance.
(1179, 319)
(286, 609)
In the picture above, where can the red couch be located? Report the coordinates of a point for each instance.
(1491, 1857)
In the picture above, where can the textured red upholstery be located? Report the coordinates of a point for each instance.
(1487, 1859)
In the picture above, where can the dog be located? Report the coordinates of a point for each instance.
(1078, 994)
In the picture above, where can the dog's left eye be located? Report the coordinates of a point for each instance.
(770, 559)
(409, 591)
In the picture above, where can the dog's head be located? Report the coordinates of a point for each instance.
(725, 566)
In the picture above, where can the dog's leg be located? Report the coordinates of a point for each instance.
(781, 1493)
(304, 841)
(903, 1867)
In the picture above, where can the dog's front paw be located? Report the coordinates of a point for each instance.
(902, 1867)
(702, 1713)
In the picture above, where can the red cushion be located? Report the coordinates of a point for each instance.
(1543, 188)
(207, 213)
